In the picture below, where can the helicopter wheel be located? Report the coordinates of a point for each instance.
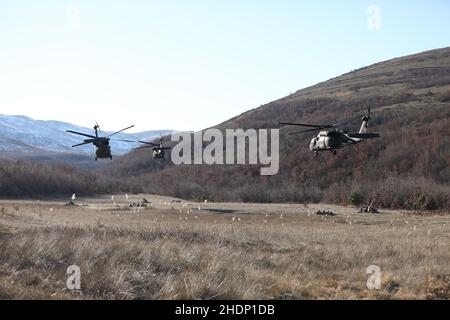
(334, 152)
(316, 154)
(96, 159)
(110, 157)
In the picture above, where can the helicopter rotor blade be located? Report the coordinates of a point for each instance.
(321, 127)
(119, 131)
(306, 125)
(83, 143)
(146, 147)
(149, 143)
(346, 121)
(309, 130)
(121, 140)
(81, 134)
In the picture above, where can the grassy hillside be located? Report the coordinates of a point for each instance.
(408, 167)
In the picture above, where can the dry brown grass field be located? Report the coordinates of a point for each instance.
(174, 249)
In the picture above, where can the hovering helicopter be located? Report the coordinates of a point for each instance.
(103, 149)
(332, 139)
(158, 150)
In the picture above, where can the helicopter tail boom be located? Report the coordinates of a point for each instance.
(365, 123)
(364, 135)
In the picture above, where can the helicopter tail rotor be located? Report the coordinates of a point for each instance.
(366, 117)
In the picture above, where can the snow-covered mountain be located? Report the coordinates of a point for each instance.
(21, 134)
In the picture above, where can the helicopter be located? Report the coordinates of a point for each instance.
(158, 150)
(103, 149)
(333, 139)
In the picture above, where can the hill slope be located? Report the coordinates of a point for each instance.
(408, 167)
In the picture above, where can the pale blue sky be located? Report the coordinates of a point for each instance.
(192, 64)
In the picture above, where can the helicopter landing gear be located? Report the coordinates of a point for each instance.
(316, 153)
(110, 157)
(96, 159)
(333, 152)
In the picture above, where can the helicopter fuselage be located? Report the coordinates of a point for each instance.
(103, 149)
(330, 141)
(158, 153)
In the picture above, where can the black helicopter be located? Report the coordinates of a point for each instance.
(332, 139)
(103, 149)
(158, 150)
